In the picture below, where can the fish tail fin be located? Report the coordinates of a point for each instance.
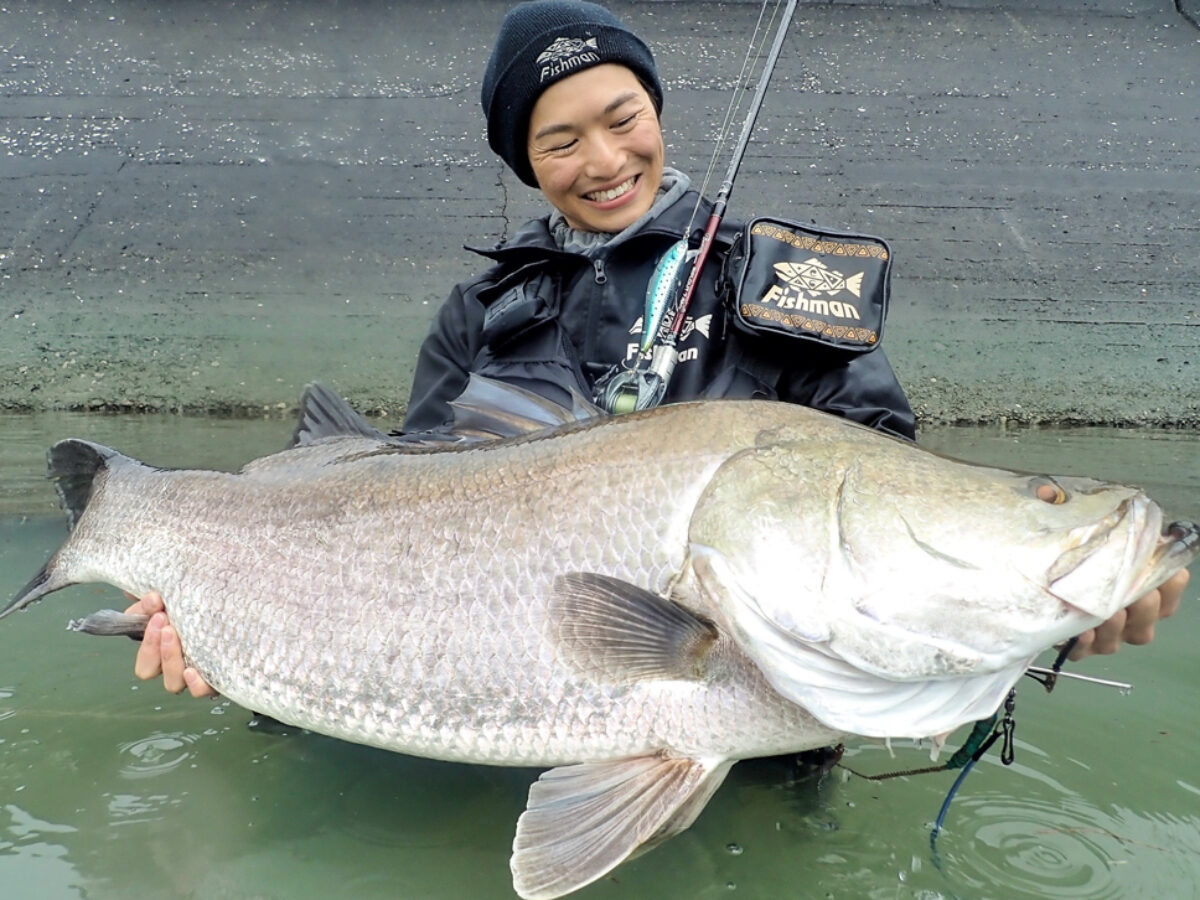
(74, 465)
(39, 586)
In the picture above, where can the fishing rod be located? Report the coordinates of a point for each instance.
(645, 385)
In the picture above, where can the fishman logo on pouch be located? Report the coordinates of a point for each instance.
(566, 54)
(806, 282)
(801, 282)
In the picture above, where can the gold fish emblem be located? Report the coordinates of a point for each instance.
(814, 277)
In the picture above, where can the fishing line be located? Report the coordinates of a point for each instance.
(750, 62)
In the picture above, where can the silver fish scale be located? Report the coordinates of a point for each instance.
(400, 600)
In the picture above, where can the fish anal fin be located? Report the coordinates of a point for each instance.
(583, 821)
(614, 631)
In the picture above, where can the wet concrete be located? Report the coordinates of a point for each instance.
(206, 205)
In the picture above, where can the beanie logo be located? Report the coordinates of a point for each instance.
(566, 54)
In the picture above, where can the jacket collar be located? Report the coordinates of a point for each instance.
(534, 241)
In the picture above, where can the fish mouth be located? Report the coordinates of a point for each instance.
(1178, 545)
(1120, 542)
(1138, 551)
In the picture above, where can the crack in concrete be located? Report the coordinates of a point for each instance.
(87, 216)
(503, 203)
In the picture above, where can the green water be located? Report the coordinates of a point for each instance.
(112, 789)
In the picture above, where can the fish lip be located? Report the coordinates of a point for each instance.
(1177, 545)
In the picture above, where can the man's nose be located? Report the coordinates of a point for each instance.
(606, 157)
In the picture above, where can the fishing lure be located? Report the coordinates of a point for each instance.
(663, 292)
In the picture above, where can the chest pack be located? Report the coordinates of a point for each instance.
(813, 284)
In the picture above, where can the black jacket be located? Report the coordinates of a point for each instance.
(545, 319)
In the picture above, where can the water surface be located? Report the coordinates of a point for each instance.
(113, 789)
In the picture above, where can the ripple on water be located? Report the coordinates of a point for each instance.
(156, 754)
(130, 809)
(7, 712)
(1068, 849)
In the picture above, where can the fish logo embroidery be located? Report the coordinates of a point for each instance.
(565, 54)
(814, 277)
(810, 286)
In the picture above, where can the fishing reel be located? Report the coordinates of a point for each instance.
(624, 390)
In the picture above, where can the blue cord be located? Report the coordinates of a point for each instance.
(937, 826)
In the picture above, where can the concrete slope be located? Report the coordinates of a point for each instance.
(207, 205)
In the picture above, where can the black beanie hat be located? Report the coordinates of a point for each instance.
(541, 42)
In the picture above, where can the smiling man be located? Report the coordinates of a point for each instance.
(596, 148)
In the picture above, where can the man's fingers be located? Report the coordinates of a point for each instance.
(1105, 638)
(148, 663)
(1140, 618)
(196, 685)
(1172, 592)
(1136, 623)
(147, 605)
(172, 661)
(1083, 645)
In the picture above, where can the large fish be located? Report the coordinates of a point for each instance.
(637, 602)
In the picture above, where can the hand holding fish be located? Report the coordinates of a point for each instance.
(160, 652)
(1135, 623)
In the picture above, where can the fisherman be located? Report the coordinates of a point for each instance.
(572, 100)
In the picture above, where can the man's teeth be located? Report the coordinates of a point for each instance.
(612, 193)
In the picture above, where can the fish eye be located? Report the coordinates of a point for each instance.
(1048, 490)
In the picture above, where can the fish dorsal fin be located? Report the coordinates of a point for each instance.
(583, 821)
(614, 631)
(497, 409)
(325, 414)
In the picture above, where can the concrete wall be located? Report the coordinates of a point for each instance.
(207, 205)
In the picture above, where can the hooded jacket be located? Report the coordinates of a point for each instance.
(548, 320)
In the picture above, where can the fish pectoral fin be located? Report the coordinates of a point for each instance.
(109, 622)
(612, 630)
(583, 821)
(496, 409)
